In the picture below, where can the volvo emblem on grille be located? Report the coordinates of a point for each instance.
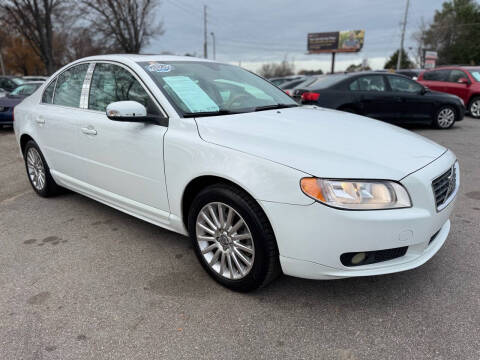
(452, 182)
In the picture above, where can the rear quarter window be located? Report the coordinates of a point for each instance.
(47, 96)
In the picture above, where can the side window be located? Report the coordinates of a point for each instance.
(400, 84)
(112, 83)
(368, 83)
(456, 75)
(48, 93)
(69, 86)
(436, 75)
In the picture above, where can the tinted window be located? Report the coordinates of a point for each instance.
(111, 83)
(48, 93)
(400, 84)
(69, 86)
(368, 83)
(456, 75)
(436, 75)
(291, 84)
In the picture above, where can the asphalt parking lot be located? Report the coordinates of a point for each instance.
(80, 280)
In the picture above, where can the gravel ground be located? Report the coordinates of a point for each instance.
(79, 280)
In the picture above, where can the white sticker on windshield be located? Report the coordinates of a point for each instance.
(155, 67)
(191, 94)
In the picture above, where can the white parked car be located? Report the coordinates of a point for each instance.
(261, 184)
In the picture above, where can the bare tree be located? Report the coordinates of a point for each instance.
(127, 24)
(34, 19)
(284, 68)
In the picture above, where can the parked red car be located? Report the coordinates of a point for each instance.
(463, 81)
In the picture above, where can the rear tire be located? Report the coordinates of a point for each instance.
(38, 171)
(474, 107)
(242, 258)
(445, 117)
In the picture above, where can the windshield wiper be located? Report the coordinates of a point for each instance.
(274, 106)
(209, 113)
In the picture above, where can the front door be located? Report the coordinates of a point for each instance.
(123, 160)
(412, 103)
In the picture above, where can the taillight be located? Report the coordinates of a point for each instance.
(13, 113)
(310, 96)
(287, 92)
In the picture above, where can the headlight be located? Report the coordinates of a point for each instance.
(357, 195)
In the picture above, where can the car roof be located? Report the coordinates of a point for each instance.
(452, 67)
(32, 82)
(143, 57)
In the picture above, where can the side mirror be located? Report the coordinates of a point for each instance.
(424, 90)
(130, 111)
(464, 80)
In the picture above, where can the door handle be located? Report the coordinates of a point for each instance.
(89, 130)
(40, 120)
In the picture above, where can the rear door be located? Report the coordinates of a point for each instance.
(372, 97)
(412, 104)
(436, 80)
(56, 119)
(454, 87)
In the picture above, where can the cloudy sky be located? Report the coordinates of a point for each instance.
(256, 31)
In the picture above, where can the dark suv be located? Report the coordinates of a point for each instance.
(463, 81)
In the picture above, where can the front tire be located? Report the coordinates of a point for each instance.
(233, 239)
(474, 107)
(445, 117)
(38, 171)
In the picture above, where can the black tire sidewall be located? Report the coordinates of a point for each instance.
(224, 194)
(435, 121)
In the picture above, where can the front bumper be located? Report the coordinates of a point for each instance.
(312, 238)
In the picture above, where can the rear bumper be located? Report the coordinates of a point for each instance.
(312, 238)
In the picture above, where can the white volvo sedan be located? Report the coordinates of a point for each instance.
(261, 184)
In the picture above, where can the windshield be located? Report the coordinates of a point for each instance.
(475, 74)
(27, 89)
(205, 88)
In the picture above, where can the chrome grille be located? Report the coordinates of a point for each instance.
(444, 186)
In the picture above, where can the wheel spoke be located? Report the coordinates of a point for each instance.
(243, 258)
(238, 237)
(237, 263)
(220, 215)
(206, 229)
(237, 226)
(243, 248)
(230, 266)
(214, 217)
(222, 264)
(228, 223)
(209, 248)
(208, 221)
(205, 238)
(215, 257)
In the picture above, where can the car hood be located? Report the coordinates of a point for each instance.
(323, 142)
(9, 100)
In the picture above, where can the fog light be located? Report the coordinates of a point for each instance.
(358, 258)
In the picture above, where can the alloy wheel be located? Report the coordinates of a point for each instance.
(36, 169)
(225, 241)
(475, 108)
(446, 117)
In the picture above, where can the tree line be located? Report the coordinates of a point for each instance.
(39, 36)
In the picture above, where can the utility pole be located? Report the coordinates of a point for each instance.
(205, 53)
(403, 36)
(213, 39)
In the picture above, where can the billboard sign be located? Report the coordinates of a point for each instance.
(430, 59)
(337, 41)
